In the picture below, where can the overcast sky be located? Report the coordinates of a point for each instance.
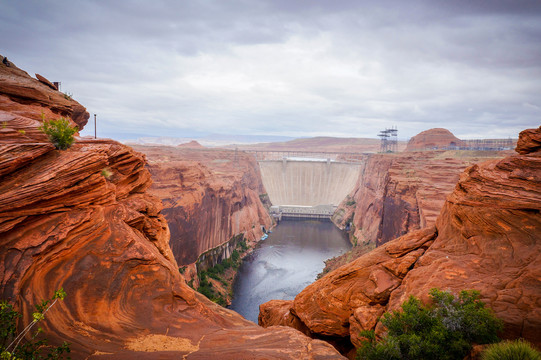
(287, 67)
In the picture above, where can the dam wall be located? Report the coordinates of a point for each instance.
(308, 182)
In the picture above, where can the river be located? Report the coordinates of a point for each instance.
(285, 263)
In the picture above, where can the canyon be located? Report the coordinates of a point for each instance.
(209, 197)
(112, 225)
(82, 219)
(486, 237)
(399, 193)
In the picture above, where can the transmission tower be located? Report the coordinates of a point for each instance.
(389, 142)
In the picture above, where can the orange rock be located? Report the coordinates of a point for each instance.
(209, 196)
(432, 139)
(82, 219)
(529, 141)
(403, 192)
(487, 237)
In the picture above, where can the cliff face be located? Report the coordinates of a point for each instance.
(399, 193)
(82, 219)
(209, 196)
(487, 237)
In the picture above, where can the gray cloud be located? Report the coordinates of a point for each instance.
(298, 68)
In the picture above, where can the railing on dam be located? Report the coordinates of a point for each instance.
(346, 157)
(302, 212)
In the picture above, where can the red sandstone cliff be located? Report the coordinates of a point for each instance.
(487, 237)
(82, 219)
(399, 193)
(209, 196)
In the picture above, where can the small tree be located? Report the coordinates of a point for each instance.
(60, 132)
(444, 330)
(12, 346)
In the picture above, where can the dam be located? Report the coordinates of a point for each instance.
(307, 187)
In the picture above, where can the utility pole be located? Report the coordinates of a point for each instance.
(95, 130)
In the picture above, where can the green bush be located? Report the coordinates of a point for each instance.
(444, 330)
(511, 350)
(12, 346)
(60, 132)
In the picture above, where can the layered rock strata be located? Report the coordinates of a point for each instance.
(487, 237)
(209, 196)
(82, 219)
(399, 193)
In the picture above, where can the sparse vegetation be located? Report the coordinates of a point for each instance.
(60, 132)
(21, 131)
(106, 173)
(217, 273)
(444, 330)
(12, 346)
(511, 350)
(68, 96)
(350, 202)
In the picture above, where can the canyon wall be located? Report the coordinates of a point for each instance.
(209, 196)
(308, 183)
(82, 219)
(487, 237)
(399, 193)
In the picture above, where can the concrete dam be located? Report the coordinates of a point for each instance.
(308, 186)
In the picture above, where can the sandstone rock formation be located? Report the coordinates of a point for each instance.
(24, 99)
(209, 196)
(487, 237)
(437, 138)
(82, 219)
(399, 193)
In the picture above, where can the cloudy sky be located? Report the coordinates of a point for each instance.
(286, 67)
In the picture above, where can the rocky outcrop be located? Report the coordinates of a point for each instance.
(24, 100)
(399, 193)
(82, 219)
(431, 139)
(487, 237)
(209, 196)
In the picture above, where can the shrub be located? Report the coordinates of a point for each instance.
(511, 350)
(12, 346)
(60, 132)
(106, 173)
(443, 330)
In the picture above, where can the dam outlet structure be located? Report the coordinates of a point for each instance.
(307, 187)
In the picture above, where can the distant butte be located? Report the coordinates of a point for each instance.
(436, 138)
(191, 145)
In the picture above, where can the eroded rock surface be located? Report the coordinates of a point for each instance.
(399, 193)
(82, 219)
(209, 196)
(487, 237)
